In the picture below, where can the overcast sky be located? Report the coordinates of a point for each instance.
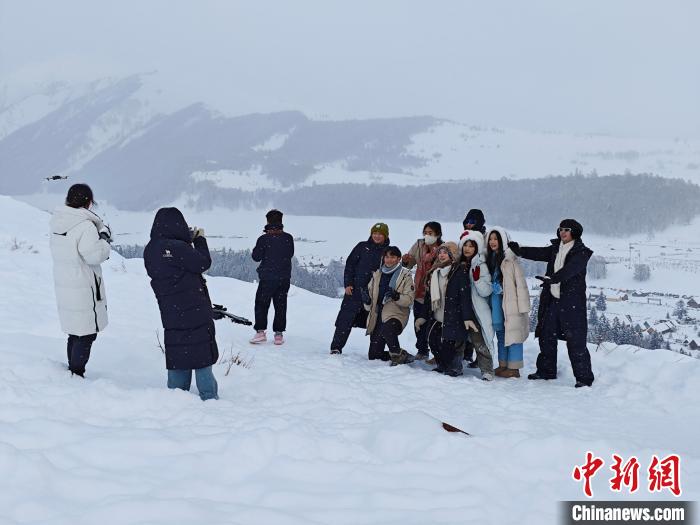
(629, 67)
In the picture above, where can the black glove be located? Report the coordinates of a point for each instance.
(515, 247)
(365, 296)
(217, 314)
(395, 296)
(105, 233)
(544, 278)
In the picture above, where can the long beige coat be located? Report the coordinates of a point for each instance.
(516, 300)
(400, 309)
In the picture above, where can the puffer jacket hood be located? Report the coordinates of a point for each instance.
(502, 232)
(169, 223)
(65, 218)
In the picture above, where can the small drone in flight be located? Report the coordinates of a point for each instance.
(57, 177)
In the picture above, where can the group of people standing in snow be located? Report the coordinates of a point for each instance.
(468, 297)
(175, 258)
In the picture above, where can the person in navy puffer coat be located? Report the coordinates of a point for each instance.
(364, 259)
(274, 251)
(175, 259)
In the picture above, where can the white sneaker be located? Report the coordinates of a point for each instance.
(487, 377)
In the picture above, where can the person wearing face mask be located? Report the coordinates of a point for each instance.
(422, 256)
(363, 261)
(79, 245)
(562, 312)
(388, 299)
(449, 314)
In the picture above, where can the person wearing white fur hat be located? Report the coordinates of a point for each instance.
(510, 302)
(472, 251)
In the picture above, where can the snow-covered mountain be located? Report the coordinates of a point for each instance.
(124, 133)
(300, 436)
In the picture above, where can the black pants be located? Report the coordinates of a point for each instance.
(275, 291)
(385, 334)
(420, 310)
(444, 351)
(352, 314)
(78, 351)
(575, 343)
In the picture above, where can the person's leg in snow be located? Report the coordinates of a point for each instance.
(350, 309)
(206, 383)
(181, 379)
(279, 301)
(548, 339)
(435, 342)
(483, 355)
(263, 298)
(580, 358)
(79, 352)
(449, 356)
(376, 346)
(420, 311)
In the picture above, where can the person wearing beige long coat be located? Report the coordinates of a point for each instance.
(510, 302)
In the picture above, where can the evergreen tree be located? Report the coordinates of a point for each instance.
(680, 312)
(656, 340)
(642, 272)
(604, 332)
(600, 302)
(592, 317)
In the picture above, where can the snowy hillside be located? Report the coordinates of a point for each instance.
(299, 436)
(118, 133)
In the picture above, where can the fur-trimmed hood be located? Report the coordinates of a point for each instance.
(472, 235)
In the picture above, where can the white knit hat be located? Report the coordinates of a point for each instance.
(472, 235)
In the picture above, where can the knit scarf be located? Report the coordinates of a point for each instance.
(392, 270)
(438, 285)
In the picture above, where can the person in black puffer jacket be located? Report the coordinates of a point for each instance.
(364, 259)
(274, 251)
(175, 259)
(449, 311)
(562, 313)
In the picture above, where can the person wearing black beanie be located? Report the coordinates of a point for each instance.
(475, 220)
(562, 312)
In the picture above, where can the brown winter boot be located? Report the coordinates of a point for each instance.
(510, 372)
(500, 369)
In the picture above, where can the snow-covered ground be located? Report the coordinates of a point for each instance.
(300, 436)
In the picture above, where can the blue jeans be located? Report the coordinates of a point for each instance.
(206, 382)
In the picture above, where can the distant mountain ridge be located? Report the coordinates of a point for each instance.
(140, 154)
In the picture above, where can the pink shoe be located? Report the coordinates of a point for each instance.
(279, 339)
(260, 337)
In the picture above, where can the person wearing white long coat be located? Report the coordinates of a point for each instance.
(79, 244)
(480, 278)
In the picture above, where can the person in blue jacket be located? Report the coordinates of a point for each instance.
(364, 259)
(175, 259)
(274, 251)
(562, 313)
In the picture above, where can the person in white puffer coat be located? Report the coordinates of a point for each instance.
(472, 251)
(79, 244)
